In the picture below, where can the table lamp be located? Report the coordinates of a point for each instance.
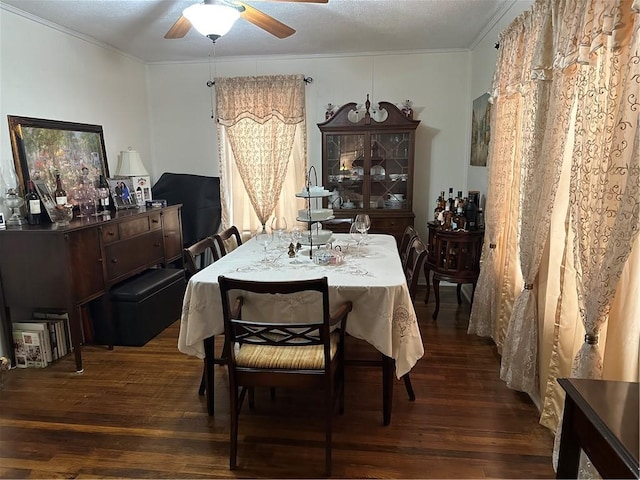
(131, 166)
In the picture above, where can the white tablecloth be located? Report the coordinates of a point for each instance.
(383, 314)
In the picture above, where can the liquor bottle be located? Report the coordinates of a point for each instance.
(60, 193)
(450, 201)
(472, 214)
(439, 207)
(33, 205)
(480, 219)
(447, 217)
(459, 221)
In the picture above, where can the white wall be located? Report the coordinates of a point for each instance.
(47, 73)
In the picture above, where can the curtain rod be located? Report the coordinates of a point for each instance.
(306, 80)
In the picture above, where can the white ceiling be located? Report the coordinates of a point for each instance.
(137, 27)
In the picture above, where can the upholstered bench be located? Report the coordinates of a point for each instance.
(144, 306)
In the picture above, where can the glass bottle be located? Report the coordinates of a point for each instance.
(459, 221)
(60, 193)
(450, 200)
(472, 214)
(33, 205)
(439, 207)
(448, 217)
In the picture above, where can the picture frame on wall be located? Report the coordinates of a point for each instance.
(480, 131)
(123, 193)
(43, 148)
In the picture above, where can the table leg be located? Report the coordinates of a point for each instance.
(436, 291)
(388, 365)
(75, 323)
(458, 293)
(209, 378)
(569, 452)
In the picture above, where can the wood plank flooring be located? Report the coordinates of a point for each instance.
(135, 412)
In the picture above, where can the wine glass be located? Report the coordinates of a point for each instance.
(364, 223)
(95, 196)
(264, 238)
(356, 234)
(279, 227)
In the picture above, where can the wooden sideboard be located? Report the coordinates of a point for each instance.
(63, 268)
(453, 256)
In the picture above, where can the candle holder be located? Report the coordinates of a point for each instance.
(14, 202)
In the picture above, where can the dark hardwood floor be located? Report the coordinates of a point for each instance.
(135, 412)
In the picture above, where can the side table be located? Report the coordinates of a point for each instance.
(453, 256)
(601, 418)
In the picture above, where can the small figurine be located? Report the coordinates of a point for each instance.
(407, 108)
(292, 251)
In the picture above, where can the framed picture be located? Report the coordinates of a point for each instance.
(46, 197)
(480, 131)
(42, 148)
(3, 225)
(143, 188)
(123, 193)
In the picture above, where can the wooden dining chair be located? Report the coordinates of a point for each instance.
(405, 243)
(308, 353)
(416, 254)
(224, 239)
(196, 257)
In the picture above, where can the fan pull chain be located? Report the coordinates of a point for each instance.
(211, 81)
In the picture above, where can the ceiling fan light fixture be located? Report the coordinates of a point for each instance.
(210, 19)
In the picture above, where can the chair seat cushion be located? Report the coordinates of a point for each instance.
(306, 357)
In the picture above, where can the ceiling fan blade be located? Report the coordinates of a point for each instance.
(179, 29)
(266, 22)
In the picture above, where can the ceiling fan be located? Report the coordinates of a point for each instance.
(214, 18)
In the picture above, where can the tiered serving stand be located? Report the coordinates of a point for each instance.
(314, 195)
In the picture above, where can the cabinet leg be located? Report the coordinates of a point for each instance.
(436, 291)
(427, 273)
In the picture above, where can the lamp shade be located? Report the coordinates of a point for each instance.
(211, 19)
(131, 165)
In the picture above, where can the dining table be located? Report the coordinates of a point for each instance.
(370, 275)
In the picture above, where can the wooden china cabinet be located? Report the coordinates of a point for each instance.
(367, 164)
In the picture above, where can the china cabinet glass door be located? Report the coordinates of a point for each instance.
(389, 170)
(346, 168)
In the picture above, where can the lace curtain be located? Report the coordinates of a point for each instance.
(262, 146)
(566, 145)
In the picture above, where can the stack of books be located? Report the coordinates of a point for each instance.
(42, 339)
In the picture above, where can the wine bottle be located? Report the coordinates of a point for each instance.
(439, 207)
(472, 214)
(60, 193)
(33, 205)
(447, 217)
(450, 200)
